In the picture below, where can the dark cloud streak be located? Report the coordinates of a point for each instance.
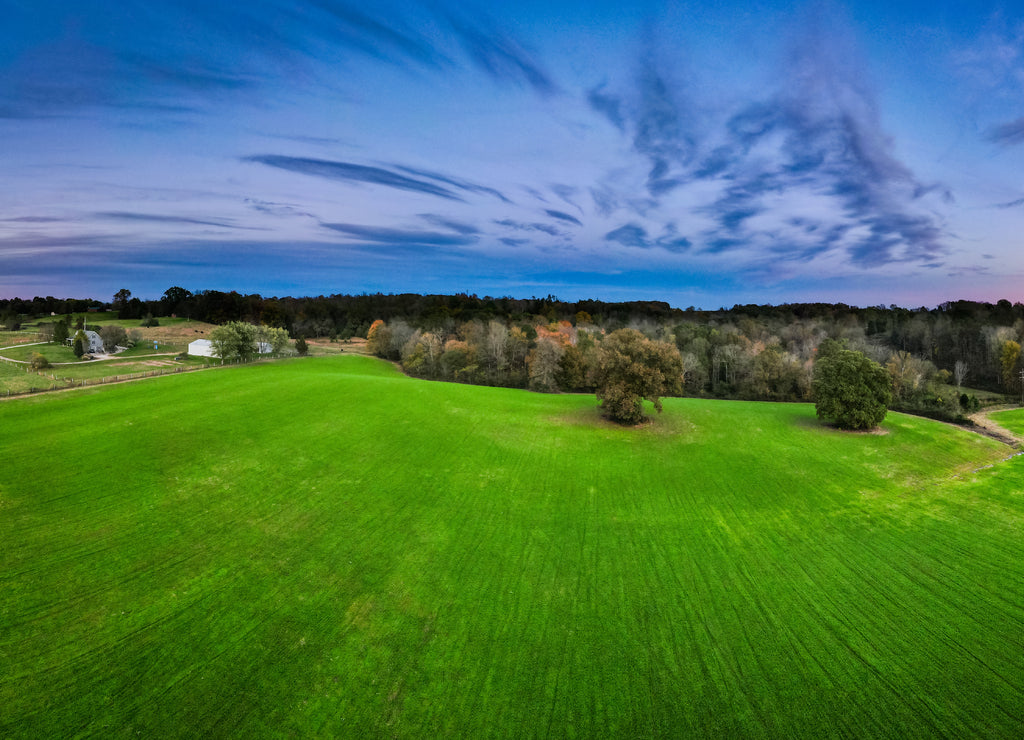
(1008, 134)
(562, 216)
(350, 172)
(500, 57)
(455, 182)
(634, 235)
(164, 219)
(400, 237)
(521, 226)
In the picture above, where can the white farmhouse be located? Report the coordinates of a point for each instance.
(93, 343)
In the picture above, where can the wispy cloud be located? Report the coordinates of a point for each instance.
(500, 56)
(281, 210)
(459, 227)
(455, 182)
(1008, 134)
(992, 70)
(1012, 204)
(563, 216)
(168, 219)
(661, 130)
(607, 105)
(816, 139)
(382, 235)
(634, 235)
(138, 59)
(352, 26)
(32, 220)
(629, 235)
(568, 195)
(523, 226)
(657, 116)
(351, 172)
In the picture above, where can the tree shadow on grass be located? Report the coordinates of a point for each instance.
(813, 422)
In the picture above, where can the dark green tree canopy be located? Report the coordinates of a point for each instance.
(850, 390)
(633, 368)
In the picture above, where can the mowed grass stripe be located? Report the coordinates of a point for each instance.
(324, 547)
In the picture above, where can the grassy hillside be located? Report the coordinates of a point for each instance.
(1013, 420)
(324, 547)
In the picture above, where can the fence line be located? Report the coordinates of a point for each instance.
(70, 383)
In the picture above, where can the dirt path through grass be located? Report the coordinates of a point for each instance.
(990, 428)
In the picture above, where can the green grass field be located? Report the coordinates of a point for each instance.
(325, 548)
(52, 352)
(14, 379)
(1012, 420)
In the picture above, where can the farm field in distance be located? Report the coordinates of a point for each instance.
(157, 353)
(325, 547)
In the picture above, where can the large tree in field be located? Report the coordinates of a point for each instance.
(850, 390)
(234, 340)
(632, 368)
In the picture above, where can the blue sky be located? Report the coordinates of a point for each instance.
(866, 152)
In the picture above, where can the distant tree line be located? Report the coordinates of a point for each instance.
(930, 357)
(747, 351)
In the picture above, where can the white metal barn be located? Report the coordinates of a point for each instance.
(204, 348)
(200, 348)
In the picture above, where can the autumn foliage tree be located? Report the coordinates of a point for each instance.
(633, 368)
(1009, 356)
(544, 362)
(378, 338)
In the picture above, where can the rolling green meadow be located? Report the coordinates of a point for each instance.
(323, 547)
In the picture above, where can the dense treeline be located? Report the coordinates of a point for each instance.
(747, 352)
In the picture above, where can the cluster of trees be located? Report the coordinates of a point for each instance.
(747, 352)
(763, 353)
(241, 341)
(113, 335)
(13, 308)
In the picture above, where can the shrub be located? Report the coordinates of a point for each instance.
(11, 321)
(970, 403)
(38, 362)
(150, 320)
